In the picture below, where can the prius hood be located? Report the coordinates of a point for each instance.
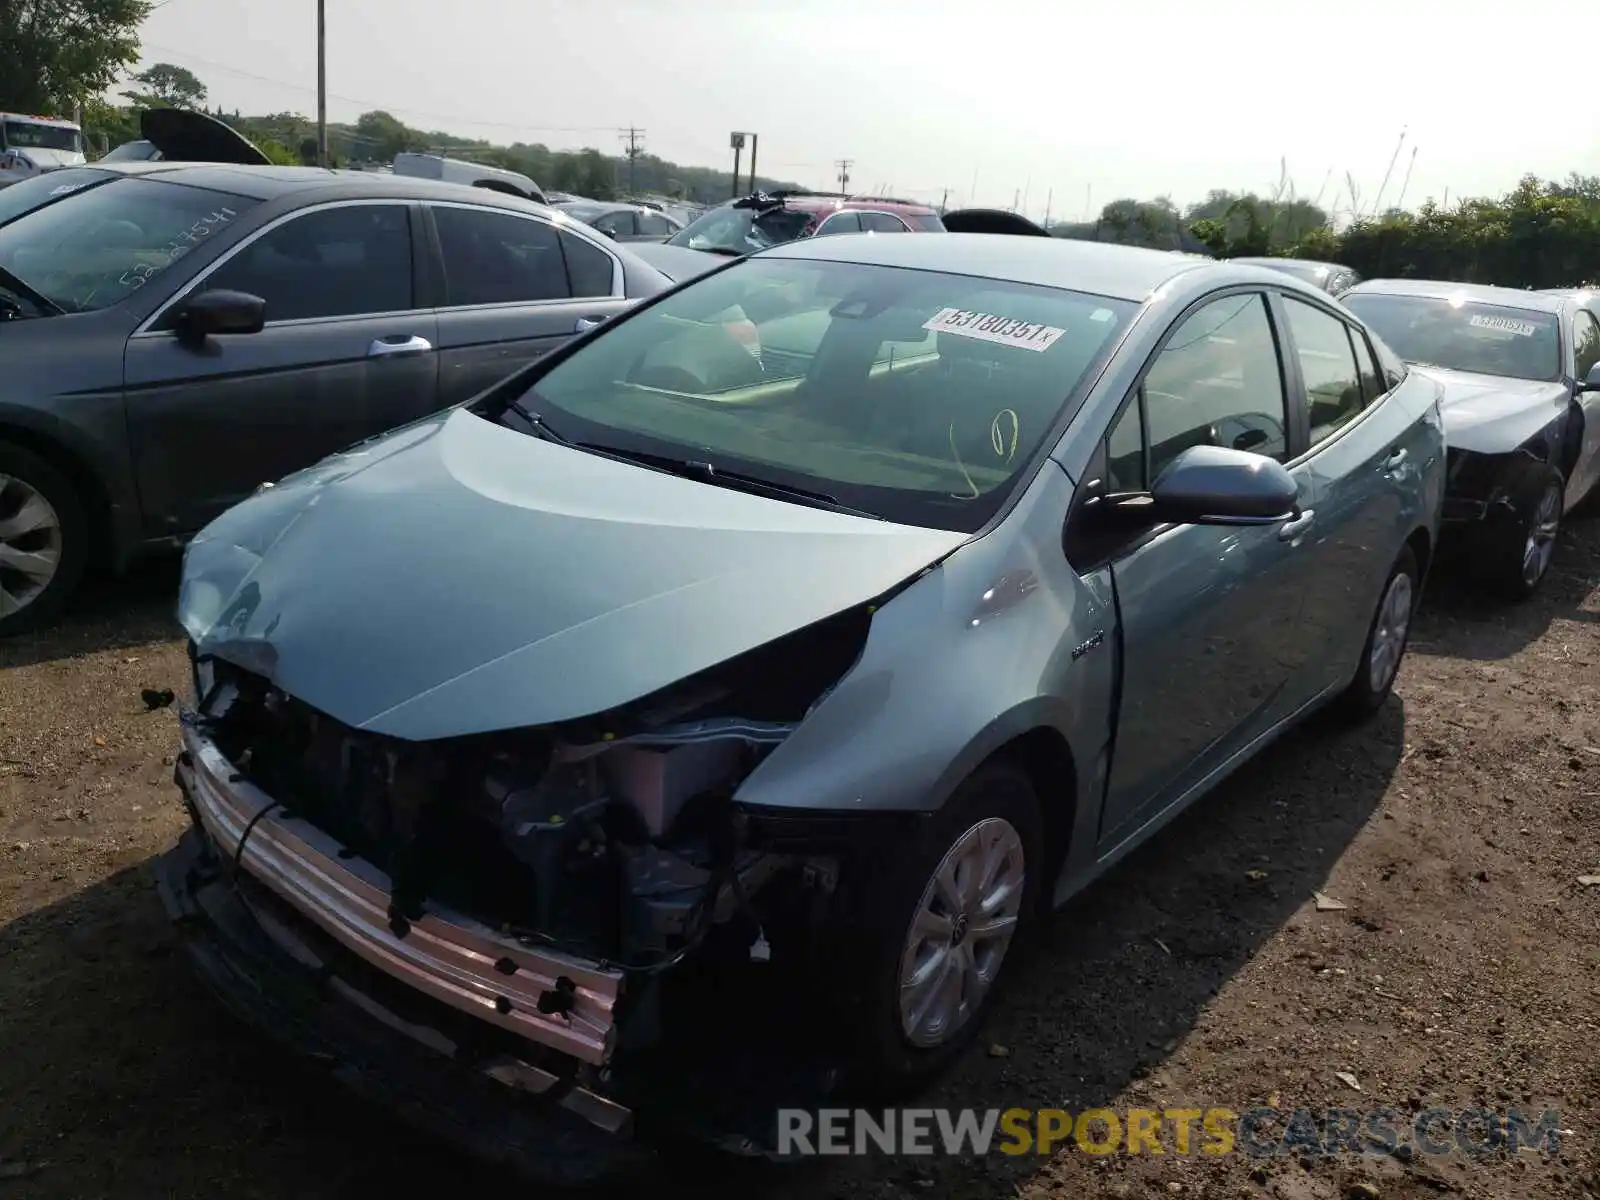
(457, 577)
(1490, 414)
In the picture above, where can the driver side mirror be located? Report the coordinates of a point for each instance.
(1215, 485)
(219, 311)
(1591, 382)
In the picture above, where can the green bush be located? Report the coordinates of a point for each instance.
(1540, 235)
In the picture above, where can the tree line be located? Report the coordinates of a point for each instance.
(63, 56)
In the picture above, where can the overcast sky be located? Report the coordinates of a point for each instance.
(1071, 105)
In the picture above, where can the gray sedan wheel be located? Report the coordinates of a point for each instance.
(43, 539)
(931, 925)
(961, 931)
(1387, 637)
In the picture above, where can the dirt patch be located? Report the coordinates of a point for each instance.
(1462, 971)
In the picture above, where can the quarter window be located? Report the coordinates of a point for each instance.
(1125, 452)
(1328, 366)
(1217, 382)
(1585, 342)
(337, 262)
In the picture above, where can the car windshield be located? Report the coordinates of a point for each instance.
(915, 396)
(1462, 334)
(21, 135)
(101, 244)
(734, 230)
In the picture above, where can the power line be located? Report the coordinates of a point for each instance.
(377, 104)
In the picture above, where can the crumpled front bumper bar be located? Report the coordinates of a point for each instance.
(452, 958)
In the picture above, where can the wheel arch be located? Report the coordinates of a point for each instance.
(108, 544)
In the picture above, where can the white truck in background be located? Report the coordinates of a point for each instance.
(455, 170)
(32, 145)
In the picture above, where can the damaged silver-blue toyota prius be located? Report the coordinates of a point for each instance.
(689, 725)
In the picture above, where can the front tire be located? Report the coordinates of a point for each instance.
(44, 540)
(1387, 638)
(938, 926)
(1521, 544)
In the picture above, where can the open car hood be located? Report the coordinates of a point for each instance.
(457, 577)
(991, 220)
(184, 136)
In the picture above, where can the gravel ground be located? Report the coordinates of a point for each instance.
(1462, 972)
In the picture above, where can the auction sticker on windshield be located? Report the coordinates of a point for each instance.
(1505, 325)
(986, 327)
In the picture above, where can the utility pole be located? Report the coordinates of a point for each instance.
(944, 201)
(755, 144)
(1049, 199)
(322, 86)
(635, 143)
(844, 165)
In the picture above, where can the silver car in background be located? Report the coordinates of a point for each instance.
(731, 686)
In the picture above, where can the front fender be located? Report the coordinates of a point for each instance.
(983, 648)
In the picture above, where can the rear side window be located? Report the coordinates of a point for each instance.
(844, 222)
(1373, 384)
(655, 225)
(874, 222)
(339, 262)
(589, 268)
(1328, 365)
(495, 258)
(617, 224)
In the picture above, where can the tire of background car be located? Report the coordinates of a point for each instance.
(1518, 544)
(1387, 637)
(988, 839)
(42, 521)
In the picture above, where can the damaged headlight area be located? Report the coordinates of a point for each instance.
(614, 840)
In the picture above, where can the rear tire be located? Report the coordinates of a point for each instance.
(1387, 638)
(1519, 545)
(44, 540)
(949, 906)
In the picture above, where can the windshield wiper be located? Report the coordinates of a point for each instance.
(726, 251)
(717, 476)
(42, 302)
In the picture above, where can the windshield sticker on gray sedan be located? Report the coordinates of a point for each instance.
(986, 327)
(1505, 325)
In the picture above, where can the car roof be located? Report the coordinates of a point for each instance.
(1297, 262)
(1102, 268)
(819, 202)
(1442, 289)
(271, 183)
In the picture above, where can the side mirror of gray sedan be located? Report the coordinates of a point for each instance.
(1215, 485)
(1592, 382)
(220, 310)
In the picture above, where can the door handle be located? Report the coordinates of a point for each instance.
(389, 347)
(1296, 525)
(587, 323)
(1392, 463)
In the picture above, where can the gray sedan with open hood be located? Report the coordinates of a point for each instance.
(690, 723)
(1521, 373)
